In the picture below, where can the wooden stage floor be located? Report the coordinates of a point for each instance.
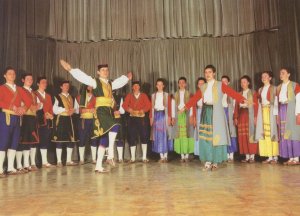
(154, 189)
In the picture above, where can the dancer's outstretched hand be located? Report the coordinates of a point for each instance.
(65, 65)
(129, 75)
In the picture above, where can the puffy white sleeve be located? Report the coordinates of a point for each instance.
(57, 109)
(119, 82)
(82, 77)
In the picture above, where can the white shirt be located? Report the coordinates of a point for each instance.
(181, 99)
(28, 88)
(200, 103)
(264, 95)
(58, 110)
(283, 98)
(90, 81)
(159, 101)
(224, 100)
(245, 95)
(137, 95)
(208, 95)
(43, 96)
(13, 87)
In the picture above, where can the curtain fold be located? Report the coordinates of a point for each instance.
(96, 20)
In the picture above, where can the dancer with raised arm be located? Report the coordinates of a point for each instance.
(105, 122)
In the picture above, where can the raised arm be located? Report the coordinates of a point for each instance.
(79, 75)
(119, 82)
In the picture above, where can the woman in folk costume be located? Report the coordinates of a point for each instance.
(29, 132)
(182, 122)
(288, 93)
(229, 104)
(45, 120)
(197, 119)
(245, 120)
(87, 103)
(64, 132)
(266, 126)
(160, 120)
(104, 120)
(213, 131)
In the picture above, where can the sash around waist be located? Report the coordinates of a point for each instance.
(104, 101)
(87, 115)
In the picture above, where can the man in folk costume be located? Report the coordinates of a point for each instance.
(44, 119)
(11, 99)
(183, 124)
(160, 120)
(29, 133)
(245, 120)
(104, 122)
(213, 132)
(266, 125)
(137, 104)
(64, 133)
(120, 117)
(87, 103)
(229, 104)
(288, 93)
(197, 117)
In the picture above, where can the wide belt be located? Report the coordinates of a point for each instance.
(137, 114)
(87, 115)
(104, 102)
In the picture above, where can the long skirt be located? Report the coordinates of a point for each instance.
(208, 152)
(161, 141)
(287, 148)
(64, 130)
(196, 146)
(183, 144)
(267, 147)
(243, 134)
(233, 140)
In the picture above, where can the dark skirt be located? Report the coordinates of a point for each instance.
(29, 130)
(64, 129)
(104, 121)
